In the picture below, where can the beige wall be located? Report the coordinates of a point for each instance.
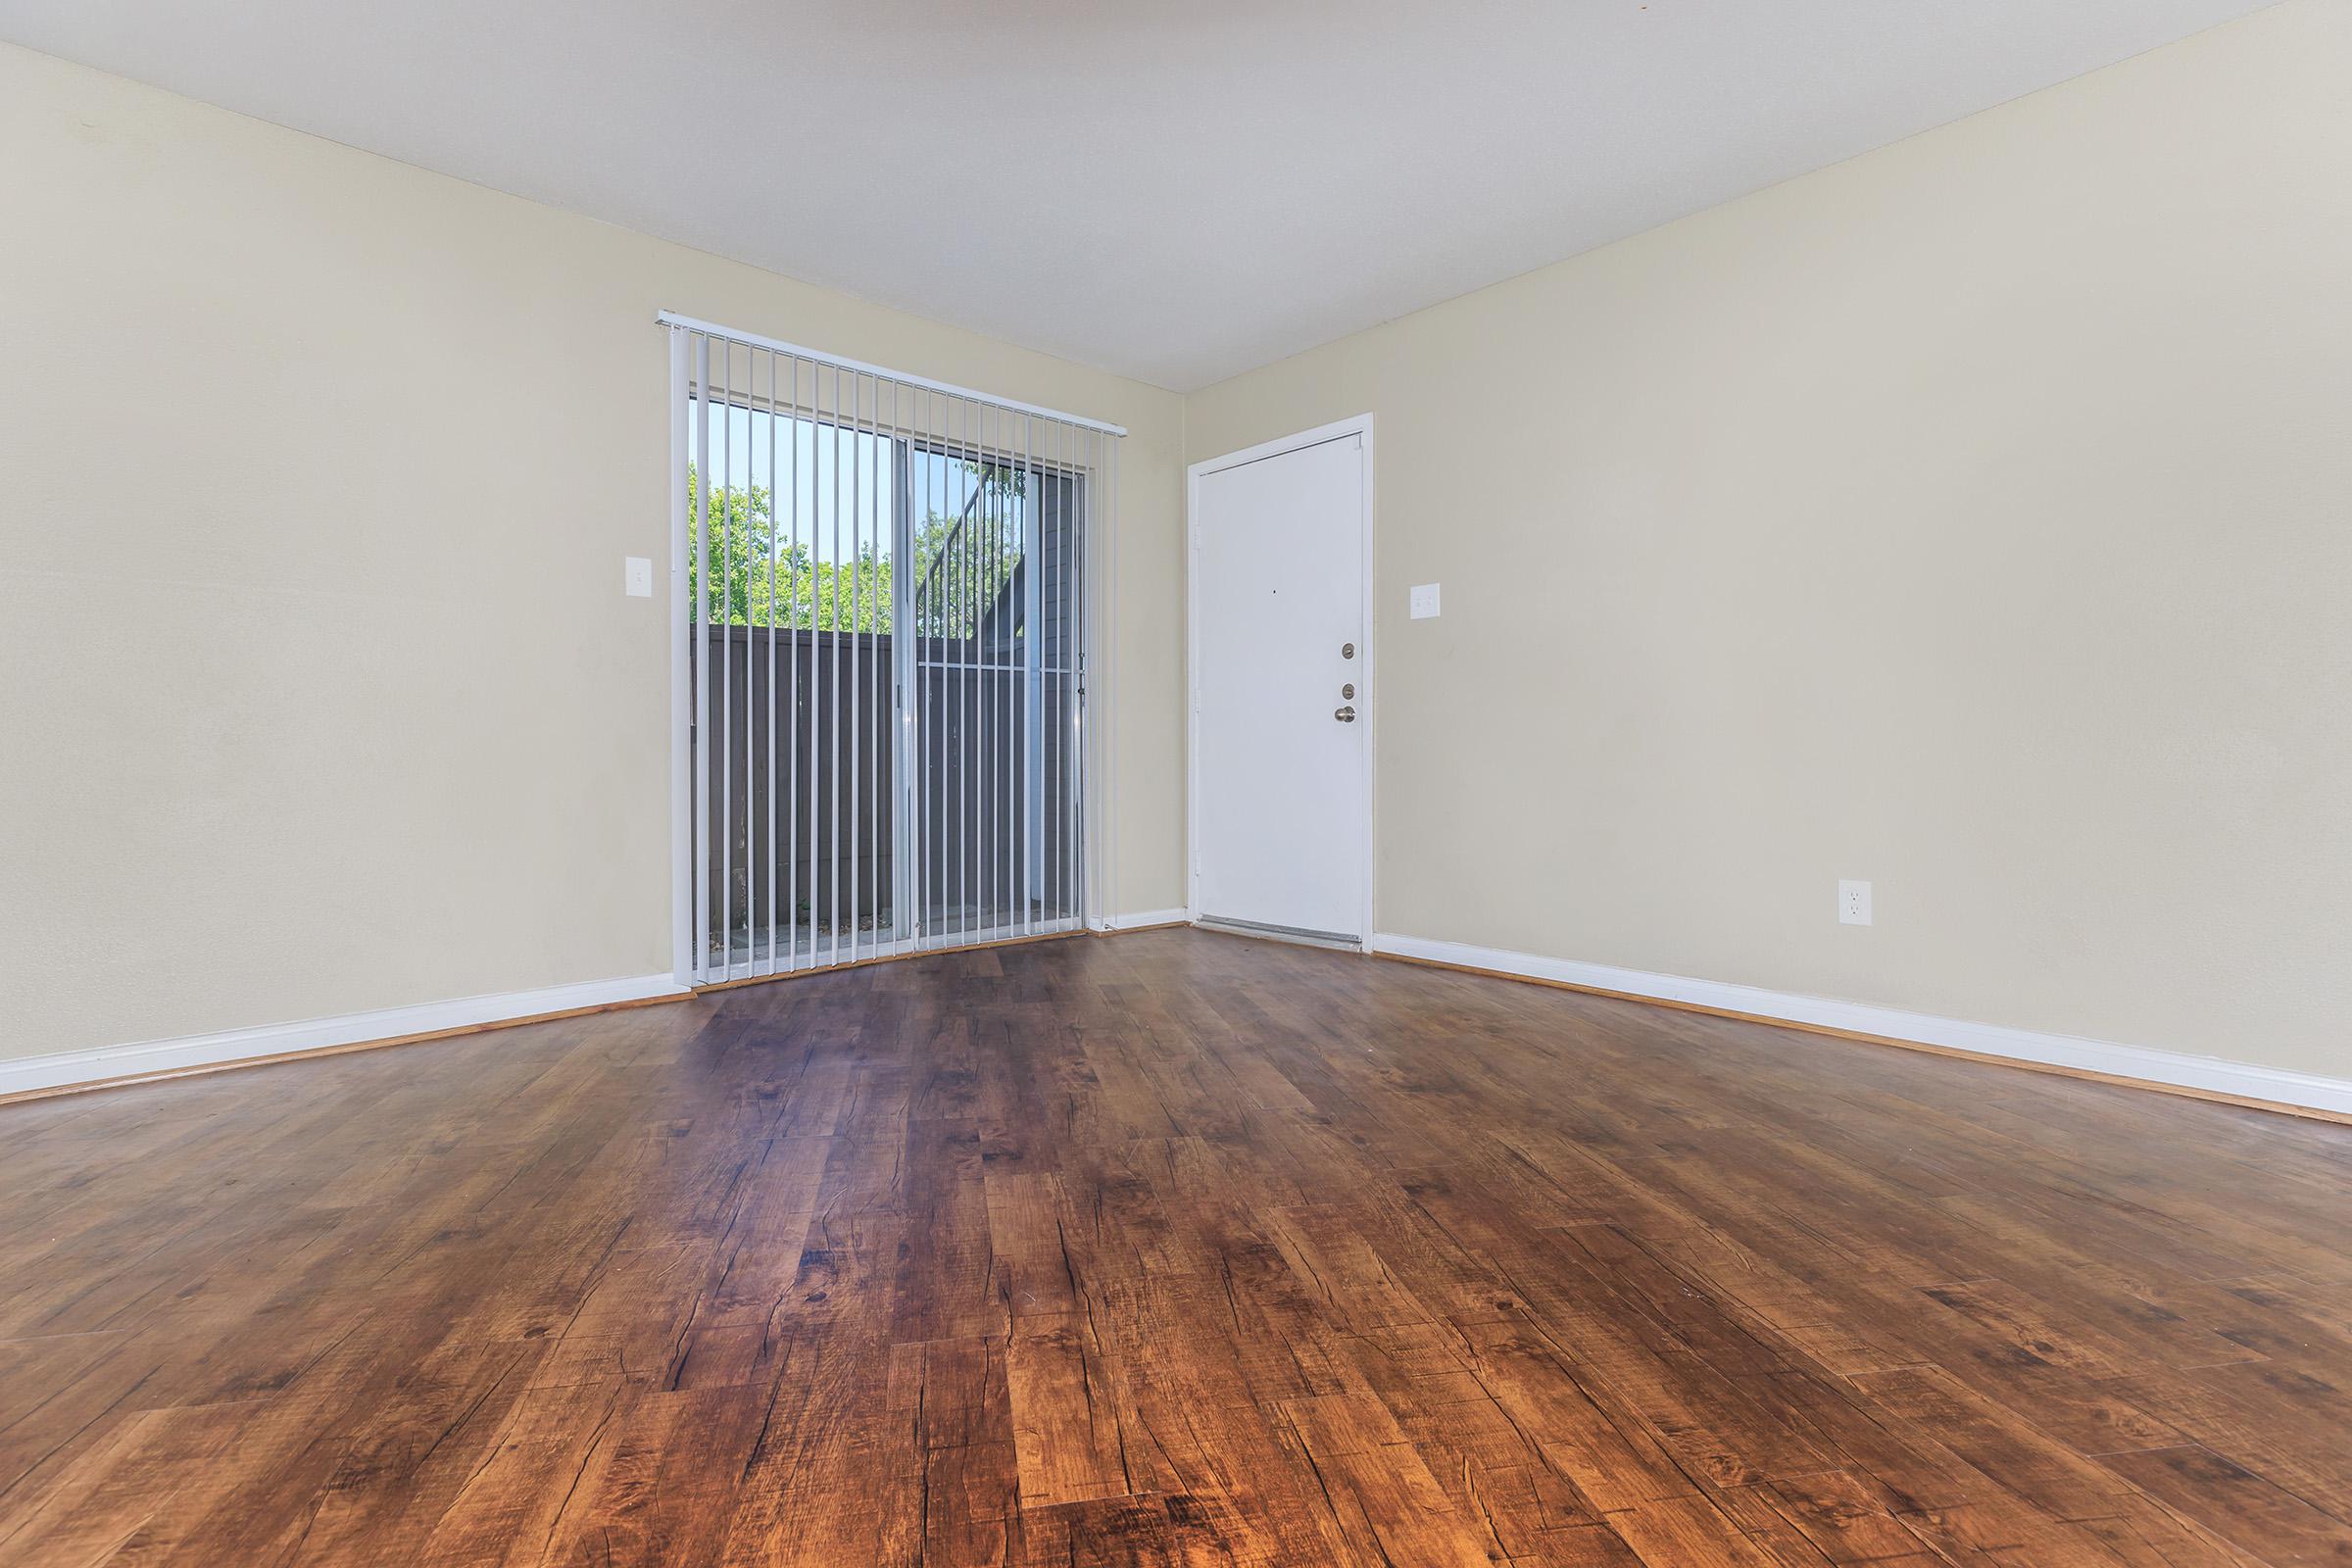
(1974, 518)
(1969, 517)
(316, 472)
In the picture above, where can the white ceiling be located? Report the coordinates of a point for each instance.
(1177, 190)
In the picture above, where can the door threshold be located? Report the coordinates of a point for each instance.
(1301, 935)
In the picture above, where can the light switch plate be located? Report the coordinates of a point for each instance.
(1425, 599)
(640, 577)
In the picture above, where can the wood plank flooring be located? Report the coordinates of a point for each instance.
(1170, 1248)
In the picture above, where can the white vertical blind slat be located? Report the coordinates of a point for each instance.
(701, 652)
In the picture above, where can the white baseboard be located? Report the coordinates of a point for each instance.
(2210, 1074)
(1143, 917)
(27, 1074)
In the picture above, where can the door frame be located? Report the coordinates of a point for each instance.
(1367, 705)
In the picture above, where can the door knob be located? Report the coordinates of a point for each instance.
(1346, 716)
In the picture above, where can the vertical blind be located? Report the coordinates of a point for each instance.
(887, 621)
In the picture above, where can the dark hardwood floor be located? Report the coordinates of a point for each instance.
(1169, 1249)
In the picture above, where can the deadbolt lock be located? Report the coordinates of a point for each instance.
(1346, 650)
(1349, 691)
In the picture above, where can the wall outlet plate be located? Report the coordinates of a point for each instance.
(1425, 599)
(1854, 902)
(637, 575)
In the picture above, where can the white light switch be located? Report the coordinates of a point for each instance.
(1425, 601)
(1854, 902)
(640, 577)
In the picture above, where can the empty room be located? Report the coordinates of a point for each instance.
(1547, 784)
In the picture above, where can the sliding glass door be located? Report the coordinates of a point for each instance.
(885, 619)
(992, 674)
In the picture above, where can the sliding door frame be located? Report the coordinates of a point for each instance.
(681, 677)
(688, 853)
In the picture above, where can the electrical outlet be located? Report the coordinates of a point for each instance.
(1425, 601)
(638, 578)
(1854, 902)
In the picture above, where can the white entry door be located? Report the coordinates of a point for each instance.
(1281, 807)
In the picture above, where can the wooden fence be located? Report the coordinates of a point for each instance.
(832, 754)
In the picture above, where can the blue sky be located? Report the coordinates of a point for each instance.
(751, 447)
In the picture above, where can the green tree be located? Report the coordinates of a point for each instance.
(744, 564)
(963, 563)
(757, 580)
(965, 559)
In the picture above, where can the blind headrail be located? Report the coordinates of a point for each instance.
(673, 318)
